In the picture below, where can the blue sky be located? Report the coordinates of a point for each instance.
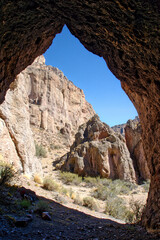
(90, 73)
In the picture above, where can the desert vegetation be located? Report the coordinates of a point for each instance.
(109, 192)
(6, 172)
(40, 151)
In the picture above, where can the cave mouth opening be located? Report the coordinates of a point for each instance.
(90, 73)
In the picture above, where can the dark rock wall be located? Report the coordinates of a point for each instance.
(125, 33)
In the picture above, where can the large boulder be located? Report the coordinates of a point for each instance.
(99, 151)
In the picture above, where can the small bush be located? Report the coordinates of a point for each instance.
(116, 208)
(41, 206)
(103, 193)
(25, 203)
(91, 181)
(70, 178)
(137, 208)
(40, 151)
(38, 179)
(90, 203)
(78, 200)
(6, 173)
(50, 184)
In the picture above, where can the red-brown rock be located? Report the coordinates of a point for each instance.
(124, 33)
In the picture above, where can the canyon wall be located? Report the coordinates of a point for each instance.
(41, 105)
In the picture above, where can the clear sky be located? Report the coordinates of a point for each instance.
(90, 73)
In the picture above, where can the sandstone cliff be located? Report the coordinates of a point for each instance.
(99, 151)
(56, 105)
(42, 105)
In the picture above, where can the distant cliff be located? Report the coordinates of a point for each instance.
(121, 127)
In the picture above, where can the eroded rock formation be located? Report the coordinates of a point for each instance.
(56, 105)
(133, 136)
(124, 33)
(8, 151)
(41, 105)
(15, 113)
(99, 151)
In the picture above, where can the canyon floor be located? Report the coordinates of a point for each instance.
(67, 219)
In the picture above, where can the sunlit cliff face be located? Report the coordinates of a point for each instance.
(126, 34)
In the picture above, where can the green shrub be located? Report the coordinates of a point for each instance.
(40, 151)
(70, 178)
(6, 173)
(102, 193)
(116, 208)
(108, 188)
(50, 184)
(90, 203)
(25, 203)
(137, 208)
(91, 181)
(41, 206)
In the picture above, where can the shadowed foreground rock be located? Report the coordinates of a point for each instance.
(125, 33)
(99, 151)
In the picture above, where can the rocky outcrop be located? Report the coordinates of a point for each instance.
(121, 127)
(15, 114)
(8, 151)
(42, 105)
(133, 135)
(124, 33)
(99, 151)
(56, 105)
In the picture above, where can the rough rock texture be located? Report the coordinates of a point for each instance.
(99, 151)
(133, 136)
(41, 105)
(15, 113)
(56, 105)
(125, 33)
(8, 151)
(121, 127)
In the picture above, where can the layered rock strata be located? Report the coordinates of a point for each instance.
(99, 151)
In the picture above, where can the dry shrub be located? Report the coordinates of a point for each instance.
(50, 184)
(90, 203)
(38, 179)
(6, 173)
(70, 178)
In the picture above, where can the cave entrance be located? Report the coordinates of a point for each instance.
(125, 33)
(90, 73)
